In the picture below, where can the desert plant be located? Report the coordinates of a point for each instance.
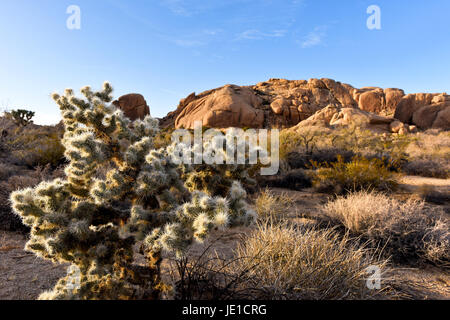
(22, 117)
(294, 180)
(428, 155)
(405, 229)
(39, 150)
(214, 178)
(93, 223)
(213, 276)
(359, 174)
(272, 207)
(304, 141)
(300, 262)
(372, 145)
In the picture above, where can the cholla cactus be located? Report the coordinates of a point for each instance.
(217, 177)
(93, 221)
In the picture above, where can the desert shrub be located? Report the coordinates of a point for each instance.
(37, 146)
(428, 155)
(300, 148)
(208, 275)
(17, 180)
(304, 263)
(304, 139)
(427, 166)
(94, 223)
(431, 194)
(369, 144)
(48, 150)
(294, 180)
(302, 160)
(359, 174)
(272, 207)
(5, 171)
(405, 229)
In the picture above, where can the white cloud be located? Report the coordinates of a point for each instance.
(177, 7)
(314, 38)
(255, 34)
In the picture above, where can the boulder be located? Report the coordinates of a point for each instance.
(442, 120)
(372, 100)
(133, 106)
(393, 97)
(333, 117)
(397, 126)
(278, 105)
(229, 106)
(342, 93)
(411, 103)
(321, 118)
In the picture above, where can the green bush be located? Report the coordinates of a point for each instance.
(359, 174)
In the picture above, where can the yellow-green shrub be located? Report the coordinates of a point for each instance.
(359, 174)
(40, 151)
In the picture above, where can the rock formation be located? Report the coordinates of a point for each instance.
(223, 108)
(425, 110)
(285, 103)
(332, 117)
(133, 105)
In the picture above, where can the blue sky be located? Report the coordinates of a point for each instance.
(166, 49)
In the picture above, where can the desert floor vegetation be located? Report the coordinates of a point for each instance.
(345, 200)
(404, 229)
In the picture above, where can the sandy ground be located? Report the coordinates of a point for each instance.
(412, 183)
(24, 276)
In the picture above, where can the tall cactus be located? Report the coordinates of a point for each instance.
(92, 220)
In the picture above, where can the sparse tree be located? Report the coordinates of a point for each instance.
(22, 117)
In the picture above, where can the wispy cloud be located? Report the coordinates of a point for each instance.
(197, 39)
(255, 34)
(315, 37)
(177, 7)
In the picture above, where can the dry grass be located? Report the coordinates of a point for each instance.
(305, 263)
(429, 154)
(5, 171)
(271, 207)
(276, 262)
(32, 145)
(406, 229)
